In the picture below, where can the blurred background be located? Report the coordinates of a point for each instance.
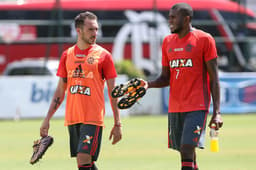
(34, 33)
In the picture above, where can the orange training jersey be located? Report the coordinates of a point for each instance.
(86, 71)
(189, 80)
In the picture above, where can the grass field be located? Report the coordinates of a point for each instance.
(144, 146)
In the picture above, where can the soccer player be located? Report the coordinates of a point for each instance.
(83, 70)
(189, 67)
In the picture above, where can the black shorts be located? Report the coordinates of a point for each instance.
(85, 138)
(186, 128)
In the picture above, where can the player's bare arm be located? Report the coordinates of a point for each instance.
(162, 80)
(55, 103)
(116, 132)
(212, 68)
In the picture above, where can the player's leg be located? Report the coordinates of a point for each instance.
(85, 143)
(187, 156)
(192, 136)
(175, 127)
(84, 162)
(89, 146)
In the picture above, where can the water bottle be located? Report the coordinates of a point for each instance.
(214, 144)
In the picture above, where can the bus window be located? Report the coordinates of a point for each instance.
(237, 22)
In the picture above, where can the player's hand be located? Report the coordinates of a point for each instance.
(144, 83)
(44, 128)
(216, 121)
(116, 134)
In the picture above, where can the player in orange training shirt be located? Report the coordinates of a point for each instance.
(189, 67)
(83, 70)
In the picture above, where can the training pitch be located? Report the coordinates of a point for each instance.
(143, 147)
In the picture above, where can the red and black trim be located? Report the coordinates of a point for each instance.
(95, 141)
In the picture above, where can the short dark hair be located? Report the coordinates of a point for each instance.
(184, 8)
(79, 19)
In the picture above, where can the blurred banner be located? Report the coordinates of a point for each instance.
(30, 97)
(238, 93)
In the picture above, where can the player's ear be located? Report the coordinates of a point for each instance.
(187, 19)
(78, 30)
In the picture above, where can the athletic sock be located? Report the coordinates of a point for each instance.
(187, 164)
(195, 166)
(85, 167)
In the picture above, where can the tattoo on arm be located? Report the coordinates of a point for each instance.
(57, 102)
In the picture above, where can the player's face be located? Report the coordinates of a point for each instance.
(89, 31)
(176, 21)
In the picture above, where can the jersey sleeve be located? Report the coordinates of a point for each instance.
(165, 61)
(108, 67)
(210, 51)
(62, 72)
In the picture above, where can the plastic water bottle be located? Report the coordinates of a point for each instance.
(214, 145)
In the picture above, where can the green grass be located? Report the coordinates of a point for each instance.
(144, 146)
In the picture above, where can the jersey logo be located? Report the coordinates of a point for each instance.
(90, 60)
(179, 63)
(78, 89)
(87, 139)
(189, 47)
(198, 130)
(178, 49)
(80, 55)
(80, 73)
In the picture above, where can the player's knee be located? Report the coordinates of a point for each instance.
(83, 158)
(187, 151)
